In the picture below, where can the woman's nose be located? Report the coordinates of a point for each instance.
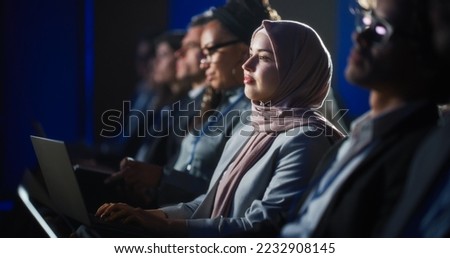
(249, 64)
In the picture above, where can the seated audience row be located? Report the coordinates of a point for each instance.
(258, 159)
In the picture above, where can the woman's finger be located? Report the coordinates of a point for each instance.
(101, 210)
(119, 213)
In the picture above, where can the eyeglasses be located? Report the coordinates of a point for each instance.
(208, 52)
(366, 20)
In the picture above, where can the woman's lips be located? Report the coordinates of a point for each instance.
(248, 79)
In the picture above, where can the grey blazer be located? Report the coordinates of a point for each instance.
(268, 194)
(180, 184)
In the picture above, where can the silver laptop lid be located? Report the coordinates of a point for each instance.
(60, 178)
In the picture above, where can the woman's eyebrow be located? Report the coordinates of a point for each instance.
(262, 50)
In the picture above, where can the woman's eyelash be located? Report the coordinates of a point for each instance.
(260, 56)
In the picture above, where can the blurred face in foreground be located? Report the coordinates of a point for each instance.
(384, 53)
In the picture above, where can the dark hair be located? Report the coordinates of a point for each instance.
(201, 19)
(429, 59)
(242, 17)
(173, 38)
(148, 38)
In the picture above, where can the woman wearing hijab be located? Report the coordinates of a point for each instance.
(265, 168)
(224, 40)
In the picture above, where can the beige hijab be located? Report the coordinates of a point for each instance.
(305, 69)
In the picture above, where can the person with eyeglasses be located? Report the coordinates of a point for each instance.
(264, 168)
(188, 173)
(361, 179)
(424, 208)
(163, 149)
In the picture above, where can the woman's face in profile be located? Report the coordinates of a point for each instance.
(224, 55)
(261, 77)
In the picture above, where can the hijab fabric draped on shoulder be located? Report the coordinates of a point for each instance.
(305, 69)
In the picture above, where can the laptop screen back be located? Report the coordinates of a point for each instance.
(60, 178)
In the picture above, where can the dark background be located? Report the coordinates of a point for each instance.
(66, 62)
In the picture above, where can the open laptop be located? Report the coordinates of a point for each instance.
(32, 181)
(64, 190)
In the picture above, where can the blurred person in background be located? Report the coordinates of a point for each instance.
(360, 180)
(264, 169)
(424, 208)
(188, 175)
